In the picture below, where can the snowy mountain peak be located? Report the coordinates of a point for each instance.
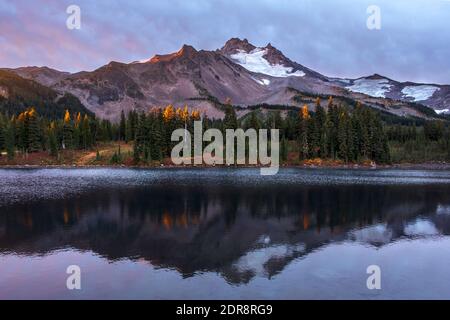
(240, 70)
(258, 61)
(265, 60)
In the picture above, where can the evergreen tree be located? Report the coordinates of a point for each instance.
(136, 153)
(379, 146)
(366, 134)
(122, 126)
(340, 132)
(158, 133)
(357, 132)
(21, 132)
(284, 149)
(77, 134)
(86, 133)
(230, 119)
(2, 134)
(319, 139)
(131, 124)
(303, 124)
(148, 139)
(253, 122)
(53, 143)
(10, 140)
(140, 135)
(343, 147)
(331, 129)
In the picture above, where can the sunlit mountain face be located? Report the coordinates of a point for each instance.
(240, 71)
(227, 224)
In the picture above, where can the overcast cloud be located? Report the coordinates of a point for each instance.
(329, 36)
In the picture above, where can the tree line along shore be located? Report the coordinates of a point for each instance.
(330, 135)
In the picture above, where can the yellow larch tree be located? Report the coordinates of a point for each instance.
(195, 115)
(168, 113)
(305, 112)
(185, 114)
(67, 117)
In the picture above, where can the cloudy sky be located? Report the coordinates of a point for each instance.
(329, 36)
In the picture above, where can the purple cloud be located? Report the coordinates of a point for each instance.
(328, 36)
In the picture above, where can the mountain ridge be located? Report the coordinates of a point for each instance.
(239, 70)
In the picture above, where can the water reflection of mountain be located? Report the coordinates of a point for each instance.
(236, 231)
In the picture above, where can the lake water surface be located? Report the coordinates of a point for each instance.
(224, 233)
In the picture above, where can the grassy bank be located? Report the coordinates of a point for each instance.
(121, 155)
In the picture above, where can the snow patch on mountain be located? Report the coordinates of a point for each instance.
(264, 82)
(419, 93)
(372, 87)
(441, 111)
(254, 61)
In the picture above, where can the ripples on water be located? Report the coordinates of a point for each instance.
(179, 233)
(32, 184)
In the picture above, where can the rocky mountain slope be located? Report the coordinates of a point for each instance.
(247, 74)
(43, 75)
(18, 94)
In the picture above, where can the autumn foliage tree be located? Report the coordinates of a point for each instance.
(333, 131)
(29, 132)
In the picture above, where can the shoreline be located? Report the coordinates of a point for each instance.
(102, 157)
(444, 166)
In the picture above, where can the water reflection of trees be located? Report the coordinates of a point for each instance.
(210, 227)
